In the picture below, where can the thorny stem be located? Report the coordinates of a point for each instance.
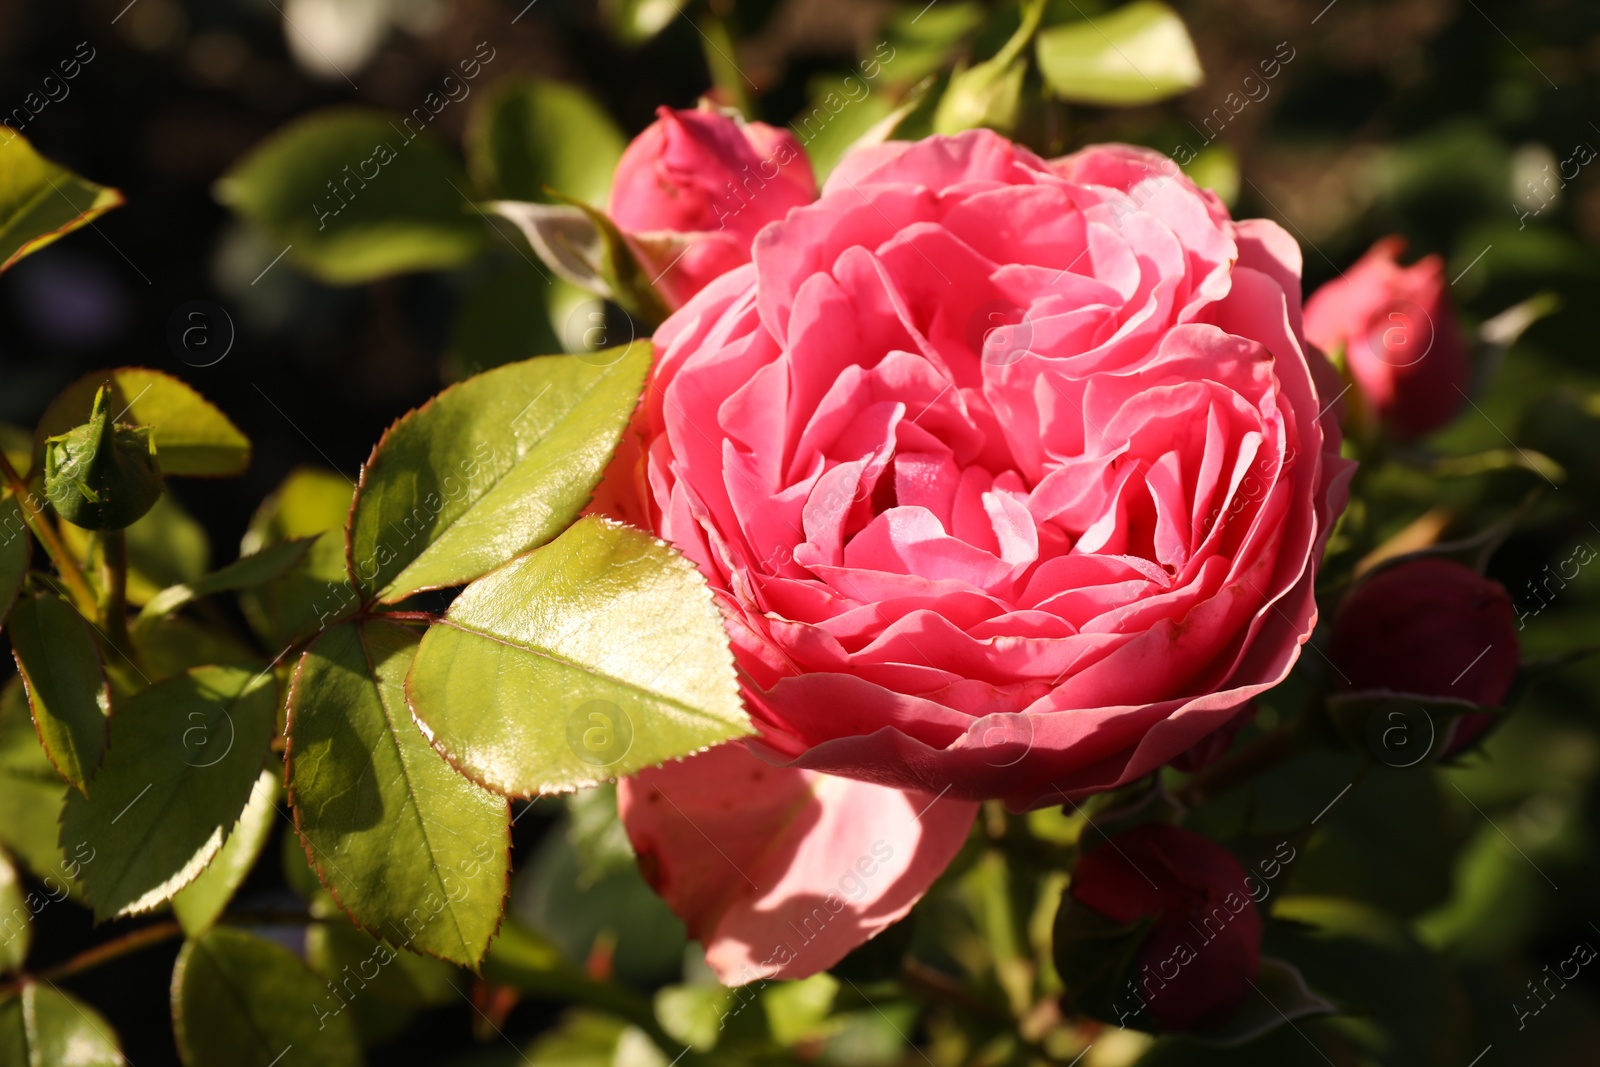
(71, 573)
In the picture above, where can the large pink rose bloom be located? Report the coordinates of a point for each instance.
(695, 187)
(1011, 477)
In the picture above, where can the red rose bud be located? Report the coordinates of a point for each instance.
(1204, 945)
(695, 187)
(1401, 341)
(1431, 627)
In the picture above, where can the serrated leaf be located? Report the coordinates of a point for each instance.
(241, 1001)
(199, 904)
(1138, 54)
(355, 194)
(193, 437)
(41, 200)
(184, 757)
(593, 657)
(167, 546)
(529, 134)
(414, 852)
(16, 929)
(488, 469)
(66, 683)
(16, 553)
(44, 1027)
(31, 792)
(246, 572)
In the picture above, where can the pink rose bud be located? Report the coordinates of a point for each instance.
(1204, 946)
(1431, 627)
(695, 187)
(1400, 338)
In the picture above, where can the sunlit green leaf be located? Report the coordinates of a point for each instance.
(66, 681)
(41, 1026)
(41, 200)
(247, 572)
(241, 1001)
(529, 133)
(199, 904)
(489, 469)
(593, 657)
(317, 591)
(192, 436)
(16, 926)
(1138, 54)
(31, 792)
(414, 852)
(693, 1014)
(185, 755)
(354, 194)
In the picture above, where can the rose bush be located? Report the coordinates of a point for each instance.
(1010, 477)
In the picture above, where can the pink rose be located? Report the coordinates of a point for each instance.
(1204, 946)
(694, 188)
(1399, 335)
(1011, 478)
(1430, 627)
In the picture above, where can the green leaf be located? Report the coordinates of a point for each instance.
(413, 851)
(693, 1014)
(599, 841)
(171, 646)
(529, 134)
(184, 758)
(594, 657)
(1138, 54)
(489, 469)
(66, 682)
(636, 21)
(241, 1001)
(165, 548)
(317, 591)
(41, 200)
(16, 932)
(246, 572)
(16, 553)
(503, 319)
(192, 436)
(389, 986)
(31, 792)
(355, 194)
(798, 1011)
(42, 1027)
(200, 904)
(990, 93)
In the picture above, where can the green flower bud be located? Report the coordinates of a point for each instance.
(102, 475)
